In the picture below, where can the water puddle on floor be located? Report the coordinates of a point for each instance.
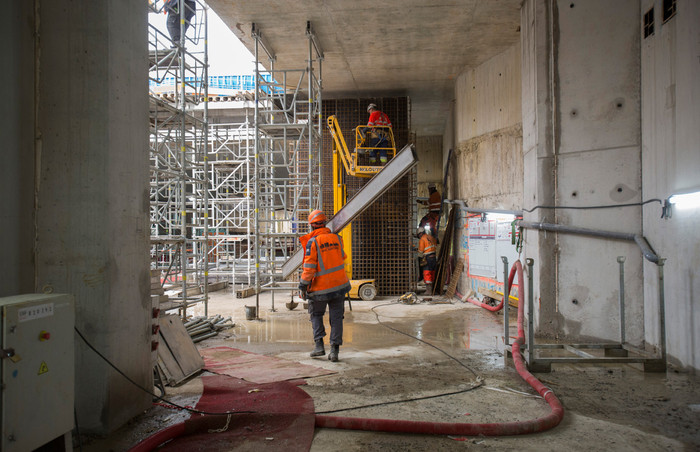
(460, 329)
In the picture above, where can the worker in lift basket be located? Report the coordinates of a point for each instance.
(427, 247)
(378, 132)
(324, 282)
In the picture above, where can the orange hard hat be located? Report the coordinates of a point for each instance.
(317, 216)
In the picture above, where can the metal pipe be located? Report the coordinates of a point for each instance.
(206, 162)
(662, 310)
(621, 261)
(257, 151)
(646, 249)
(530, 312)
(463, 205)
(506, 302)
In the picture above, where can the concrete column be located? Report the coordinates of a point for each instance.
(17, 165)
(92, 214)
(671, 164)
(581, 144)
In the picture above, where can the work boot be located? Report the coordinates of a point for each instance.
(333, 355)
(319, 350)
(429, 288)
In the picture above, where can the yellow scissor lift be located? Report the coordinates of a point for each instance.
(364, 289)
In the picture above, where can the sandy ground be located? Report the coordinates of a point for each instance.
(403, 353)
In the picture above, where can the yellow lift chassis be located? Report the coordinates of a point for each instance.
(364, 289)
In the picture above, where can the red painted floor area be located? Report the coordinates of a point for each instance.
(256, 368)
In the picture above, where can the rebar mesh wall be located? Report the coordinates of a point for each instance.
(382, 235)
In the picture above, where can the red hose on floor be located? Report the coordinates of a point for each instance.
(499, 306)
(431, 428)
(493, 429)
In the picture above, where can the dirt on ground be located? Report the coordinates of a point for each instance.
(441, 361)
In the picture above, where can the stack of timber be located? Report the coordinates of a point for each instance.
(200, 328)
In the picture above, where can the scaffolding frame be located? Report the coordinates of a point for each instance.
(287, 170)
(231, 207)
(179, 224)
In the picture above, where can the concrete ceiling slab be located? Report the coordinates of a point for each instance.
(393, 48)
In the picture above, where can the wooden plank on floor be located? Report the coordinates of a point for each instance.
(177, 351)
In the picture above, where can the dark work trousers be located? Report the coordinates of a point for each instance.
(336, 310)
(173, 21)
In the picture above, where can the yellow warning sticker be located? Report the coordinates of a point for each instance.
(43, 368)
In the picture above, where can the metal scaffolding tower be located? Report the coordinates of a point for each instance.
(231, 194)
(287, 163)
(178, 156)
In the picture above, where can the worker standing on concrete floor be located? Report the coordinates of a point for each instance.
(324, 282)
(427, 248)
(379, 135)
(433, 203)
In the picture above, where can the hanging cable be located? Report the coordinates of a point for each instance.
(191, 410)
(479, 379)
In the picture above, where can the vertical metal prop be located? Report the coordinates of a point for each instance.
(621, 261)
(257, 173)
(506, 299)
(206, 162)
(662, 311)
(183, 162)
(530, 312)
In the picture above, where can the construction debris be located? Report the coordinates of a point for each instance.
(200, 328)
(409, 298)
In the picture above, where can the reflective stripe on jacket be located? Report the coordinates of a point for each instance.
(324, 263)
(378, 119)
(427, 245)
(434, 202)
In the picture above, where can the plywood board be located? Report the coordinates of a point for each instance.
(176, 351)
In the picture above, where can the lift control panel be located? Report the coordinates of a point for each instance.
(37, 370)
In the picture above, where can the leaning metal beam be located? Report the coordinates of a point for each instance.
(385, 179)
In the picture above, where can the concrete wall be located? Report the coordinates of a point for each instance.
(488, 133)
(92, 193)
(487, 164)
(670, 68)
(581, 144)
(17, 132)
(430, 163)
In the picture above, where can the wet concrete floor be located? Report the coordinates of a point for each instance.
(396, 352)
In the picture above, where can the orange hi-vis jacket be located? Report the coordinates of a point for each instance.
(324, 264)
(427, 245)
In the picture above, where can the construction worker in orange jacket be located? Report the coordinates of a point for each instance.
(324, 282)
(434, 204)
(427, 249)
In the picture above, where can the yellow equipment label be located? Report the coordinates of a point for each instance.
(43, 368)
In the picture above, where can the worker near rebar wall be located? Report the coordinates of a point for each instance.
(172, 7)
(431, 218)
(378, 133)
(324, 282)
(427, 248)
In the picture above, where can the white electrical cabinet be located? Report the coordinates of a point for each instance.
(37, 370)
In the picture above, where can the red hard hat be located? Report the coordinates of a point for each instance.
(317, 216)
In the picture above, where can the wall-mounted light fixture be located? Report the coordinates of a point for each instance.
(681, 201)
